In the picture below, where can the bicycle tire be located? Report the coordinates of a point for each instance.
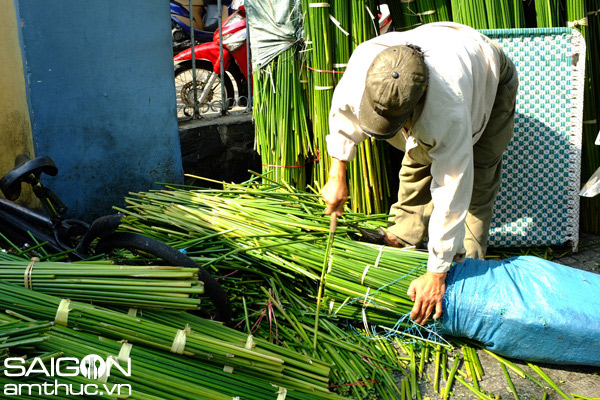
(173, 257)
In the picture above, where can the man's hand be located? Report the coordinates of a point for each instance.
(427, 292)
(391, 240)
(335, 191)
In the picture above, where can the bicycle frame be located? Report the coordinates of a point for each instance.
(24, 225)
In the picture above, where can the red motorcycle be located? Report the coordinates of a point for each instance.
(208, 70)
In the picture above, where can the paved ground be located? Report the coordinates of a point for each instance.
(582, 381)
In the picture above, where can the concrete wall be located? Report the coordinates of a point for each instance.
(15, 129)
(99, 80)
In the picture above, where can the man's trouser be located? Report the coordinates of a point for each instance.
(410, 215)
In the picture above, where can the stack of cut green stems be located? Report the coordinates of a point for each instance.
(102, 282)
(276, 364)
(153, 372)
(362, 368)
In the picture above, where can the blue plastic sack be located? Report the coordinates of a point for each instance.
(526, 308)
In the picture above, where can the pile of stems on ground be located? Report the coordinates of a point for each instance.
(210, 343)
(363, 366)
(284, 230)
(268, 242)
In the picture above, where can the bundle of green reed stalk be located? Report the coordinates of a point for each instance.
(427, 11)
(284, 230)
(319, 56)
(364, 24)
(15, 332)
(443, 10)
(582, 15)
(102, 282)
(470, 12)
(340, 12)
(361, 368)
(492, 14)
(281, 129)
(498, 14)
(548, 13)
(276, 364)
(367, 173)
(404, 14)
(283, 233)
(153, 372)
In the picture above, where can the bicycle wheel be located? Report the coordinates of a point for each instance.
(148, 246)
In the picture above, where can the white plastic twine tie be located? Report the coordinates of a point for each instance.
(62, 312)
(178, 345)
(28, 273)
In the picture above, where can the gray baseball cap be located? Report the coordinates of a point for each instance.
(396, 81)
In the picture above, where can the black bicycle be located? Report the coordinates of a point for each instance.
(30, 230)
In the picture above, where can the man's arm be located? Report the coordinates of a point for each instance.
(451, 187)
(335, 191)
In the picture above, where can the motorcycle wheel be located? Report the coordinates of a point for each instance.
(148, 251)
(184, 87)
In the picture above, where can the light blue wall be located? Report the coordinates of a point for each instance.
(99, 81)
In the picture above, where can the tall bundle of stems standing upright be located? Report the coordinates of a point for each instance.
(427, 11)
(493, 14)
(404, 14)
(547, 13)
(590, 207)
(367, 173)
(498, 14)
(470, 12)
(282, 134)
(340, 11)
(321, 83)
(327, 52)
